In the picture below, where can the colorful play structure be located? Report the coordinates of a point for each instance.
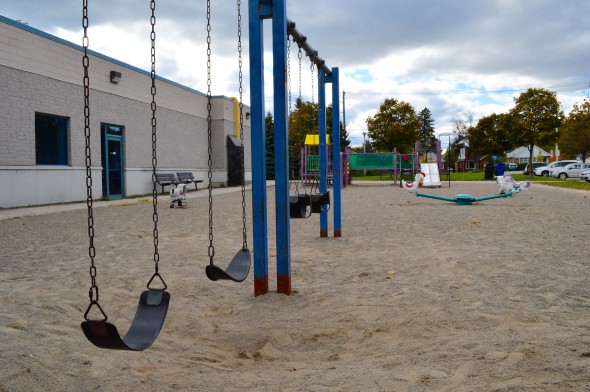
(395, 162)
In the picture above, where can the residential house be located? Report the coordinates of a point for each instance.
(522, 155)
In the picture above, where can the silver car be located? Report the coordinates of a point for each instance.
(585, 175)
(573, 170)
(544, 170)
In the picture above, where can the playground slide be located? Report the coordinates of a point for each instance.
(431, 175)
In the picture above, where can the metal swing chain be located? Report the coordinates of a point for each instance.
(289, 74)
(93, 291)
(211, 249)
(312, 86)
(299, 57)
(314, 184)
(292, 178)
(244, 232)
(154, 145)
(301, 137)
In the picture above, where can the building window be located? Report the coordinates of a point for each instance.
(51, 139)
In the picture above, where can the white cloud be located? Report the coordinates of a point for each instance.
(450, 55)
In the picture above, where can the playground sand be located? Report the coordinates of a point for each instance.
(418, 295)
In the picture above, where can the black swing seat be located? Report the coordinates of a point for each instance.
(319, 200)
(237, 270)
(148, 321)
(298, 206)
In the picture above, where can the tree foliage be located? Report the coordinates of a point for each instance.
(394, 125)
(426, 135)
(344, 137)
(490, 136)
(535, 117)
(574, 135)
(304, 120)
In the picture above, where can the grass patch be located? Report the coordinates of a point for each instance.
(479, 176)
(571, 184)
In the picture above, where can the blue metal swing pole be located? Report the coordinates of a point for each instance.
(257, 12)
(281, 115)
(322, 143)
(276, 10)
(337, 178)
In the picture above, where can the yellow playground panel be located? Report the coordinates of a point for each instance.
(314, 140)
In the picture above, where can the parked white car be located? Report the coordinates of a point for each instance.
(585, 175)
(544, 170)
(573, 170)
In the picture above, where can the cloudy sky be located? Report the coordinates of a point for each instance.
(451, 56)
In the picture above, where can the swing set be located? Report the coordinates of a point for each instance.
(303, 204)
(275, 12)
(154, 302)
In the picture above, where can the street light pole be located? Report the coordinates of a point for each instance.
(364, 149)
(448, 155)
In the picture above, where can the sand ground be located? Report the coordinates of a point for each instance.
(418, 295)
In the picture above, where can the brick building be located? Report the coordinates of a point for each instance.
(42, 153)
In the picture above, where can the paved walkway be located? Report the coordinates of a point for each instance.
(11, 213)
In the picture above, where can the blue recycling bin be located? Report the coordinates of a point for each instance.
(500, 169)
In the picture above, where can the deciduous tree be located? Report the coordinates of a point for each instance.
(535, 117)
(574, 135)
(394, 125)
(490, 136)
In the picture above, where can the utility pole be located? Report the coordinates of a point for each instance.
(344, 111)
(364, 149)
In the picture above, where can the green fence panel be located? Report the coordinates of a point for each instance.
(407, 163)
(381, 161)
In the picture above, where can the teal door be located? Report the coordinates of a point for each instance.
(113, 162)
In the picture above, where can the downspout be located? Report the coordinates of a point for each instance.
(237, 116)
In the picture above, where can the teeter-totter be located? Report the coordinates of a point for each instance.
(507, 186)
(462, 199)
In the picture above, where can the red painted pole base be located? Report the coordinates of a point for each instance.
(284, 285)
(323, 233)
(260, 286)
(337, 233)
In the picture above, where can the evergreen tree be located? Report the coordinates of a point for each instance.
(427, 138)
(344, 137)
